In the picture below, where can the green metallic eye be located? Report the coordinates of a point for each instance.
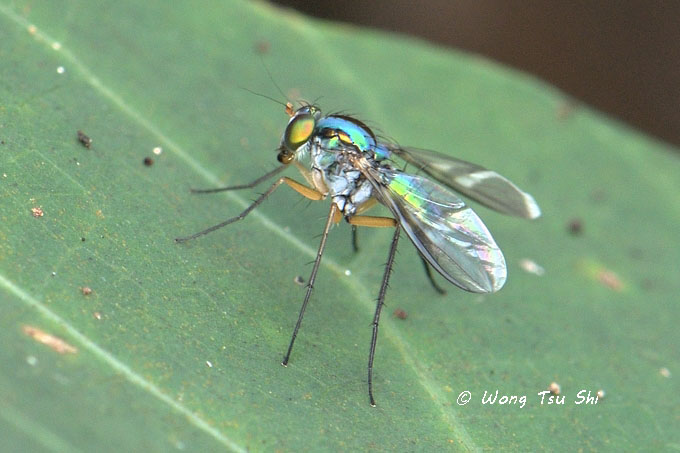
(298, 131)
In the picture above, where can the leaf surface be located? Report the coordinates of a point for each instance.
(179, 346)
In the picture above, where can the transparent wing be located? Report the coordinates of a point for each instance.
(446, 232)
(482, 185)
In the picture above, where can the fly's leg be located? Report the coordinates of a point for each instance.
(355, 240)
(250, 185)
(332, 218)
(430, 277)
(378, 222)
(303, 190)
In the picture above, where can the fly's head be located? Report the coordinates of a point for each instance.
(299, 131)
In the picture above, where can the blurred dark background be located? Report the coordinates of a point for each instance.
(619, 56)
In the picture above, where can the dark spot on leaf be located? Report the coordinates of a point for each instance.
(84, 139)
(262, 47)
(401, 314)
(575, 227)
(148, 161)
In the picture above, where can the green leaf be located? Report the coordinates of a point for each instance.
(178, 346)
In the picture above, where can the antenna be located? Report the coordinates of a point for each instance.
(265, 96)
(272, 79)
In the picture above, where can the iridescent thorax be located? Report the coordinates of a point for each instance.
(326, 147)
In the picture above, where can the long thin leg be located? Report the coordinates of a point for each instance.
(300, 188)
(381, 302)
(310, 285)
(250, 185)
(430, 277)
(355, 240)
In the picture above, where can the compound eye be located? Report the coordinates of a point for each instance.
(298, 131)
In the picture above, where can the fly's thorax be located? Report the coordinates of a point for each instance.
(354, 194)
(329, 147)
(344, 182)
(321, 155)
(341, 131)
(318, 180)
